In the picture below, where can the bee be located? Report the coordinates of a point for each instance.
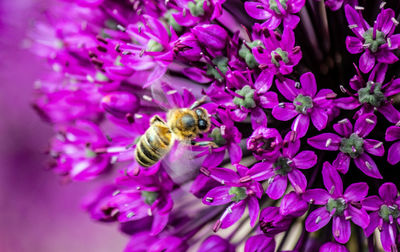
(182, 124)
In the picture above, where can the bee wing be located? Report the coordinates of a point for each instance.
(181, 163)
(166, 96)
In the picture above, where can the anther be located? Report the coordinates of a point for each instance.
(376, 146)
(245, 179)
(360, 8)
(171, 92)
(369, 121)
(348, 217)
(130, 215)
(319, 218)
(328, 142)
(343, 89)
(297, 85)
(382, 5)
(343, 121)
(353, 26)
(116, 192)
(121, 28)
(368, 165)
(389, 41)
(394, 21)
(282, 105)
(217, 226)
(205, 171)
(209, 199)
(147, 98)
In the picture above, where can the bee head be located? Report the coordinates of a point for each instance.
(203, 121)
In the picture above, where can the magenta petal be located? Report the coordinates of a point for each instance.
(385, 22)
(365, 124)
(348, 103)
(332, 181)
(235, 153)
(300, 125)
(333, 247)
(392, 133)
(293, 205)
(354, 19)
(386, 56)
(342, 162)
(358, 216)
(344, 127)
(214, 159)
(388, 236)
(367, 61)
(224, 174)
(218, 196)
(258, 118)
(237, 115)
(356, 192)
(341, 229)
(287, 89)
(298, 180)
(291, 21)
(325, 141)
(260, 243)
(285, 112)
(261, 171)
(388, 192)
(234, 214)
(374, 147)
(305, 160)
(319, 118)
(308, 84)
(365, 163)
(264, 81)
(372, 203)
(389, 112)
(252, 8)
(159, 223)
(394, 153)
(393, 88)
(316, 196)
(277, 187)
(354, 45)
(254, 210)
(317, 219)
(268, 100)
(374, 219)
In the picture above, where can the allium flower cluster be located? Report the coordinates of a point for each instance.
(218, 97)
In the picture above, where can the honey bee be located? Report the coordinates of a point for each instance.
(182, 124)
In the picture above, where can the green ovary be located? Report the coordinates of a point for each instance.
(374, 43)
(273, 5)
(248, 97)
(352, 145)
(149, 197)
(239, 192)
(283, 166)
(196, 8)
(372, 94)
(339, 204)
(247, 55)
(222, 64)
(279, 54)
(385, 211)
(302, 103)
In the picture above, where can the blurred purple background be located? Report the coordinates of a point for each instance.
(37, 211)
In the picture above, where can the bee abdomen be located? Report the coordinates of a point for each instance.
(151, 147)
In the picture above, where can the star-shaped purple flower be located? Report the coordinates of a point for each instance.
(377, 42)
(385, 215)
(305, 104)
(342, 207)
(352, 145)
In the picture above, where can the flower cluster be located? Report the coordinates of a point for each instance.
(264, 71)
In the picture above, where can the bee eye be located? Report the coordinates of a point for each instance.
(202, 124)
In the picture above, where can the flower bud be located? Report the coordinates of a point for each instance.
(211, 36)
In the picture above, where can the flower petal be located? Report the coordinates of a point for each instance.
(332, 181)
(388, 236)
(268, 100)
(305, 160)
(348, 103)
(308, 84)
(388, 192)
(317, 219)
(254, 210)
(325, 141)
(356, 192)
(365, 124)
(264, 81)
(342, 162)
(365, 163)
(374, 220)
(218, 196)
(392, 133)
(389, 112)
(260, 243)
(277, 187)
(367, 61)
(233, 214)
(354, 45)
(343, 127)
(301, 124)
(358, 216)
(298, 180)
(319, 118)
(333, 247)
(372, 203)
(256, 10)
(284, 112)
(394, 153)
(374, 147)
(316, 196)
(341, 229)
(258, 118)
(287, 89)
(261, 171)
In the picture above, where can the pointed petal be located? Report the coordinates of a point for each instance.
(356, 192)
(388, 236)
(374, 147)
(372, 203)
(305, 160)
(374, 219)
(367, 61)
(254, 210)
(386, 56)
(159, 223)
(341, 229)
(218, 196)
(287, 89)
(317, 219)
(319, 118)
(394, 153)
(316, 196)
(264, 81)
(258, 118)
(268, 100)
(308, 84)
(298, 180)
(301, 124)
(365, 163)
(348, 103)
(342, 162)
(388, 192)
(277, 188)
(261, 171)
(332, 181)
(235, 153)
(365, 124)
(255, 11)
(234, 214)
(354, 45)
(325, 141)
(389, 112)
(344, 127)
(284, 112)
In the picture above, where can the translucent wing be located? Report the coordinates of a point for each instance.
(181, 163)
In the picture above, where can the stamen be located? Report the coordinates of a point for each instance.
(376, 146)
(395, 21)
(319, 218)
(360, 8)
(348, 217)
(130, 215)
(382, 5)
(353, 26)
(121, 28)
(282, 105)
(332, 189)
(205, 171)
(328, 142)
(149, 212)
(116, 192)
(209, 199)
(368, 165)
(389, 42)
(147, 98)
(245, 179)
(114, 212)
(297, 85)
(343, 121)
(172, 92)
(217, 226)
(369, 121)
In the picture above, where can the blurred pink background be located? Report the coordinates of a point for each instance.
(37, 212)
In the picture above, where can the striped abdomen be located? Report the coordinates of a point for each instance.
(153, 145)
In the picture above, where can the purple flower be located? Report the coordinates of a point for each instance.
(376, 42)
(274, 12)
(342, 207)
(260, 243)
(238, 194)
(293, 205)
(373, 94)
(217, 244)
(392, 134)
(333, 247)
(277, 53)
(283, 167)
(265, 143)
(352, 145)
(272, 222)
(385, 215)
(306, 104)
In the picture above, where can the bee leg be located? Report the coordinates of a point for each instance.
(156, 118)
(198, 102)
(210, 144)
